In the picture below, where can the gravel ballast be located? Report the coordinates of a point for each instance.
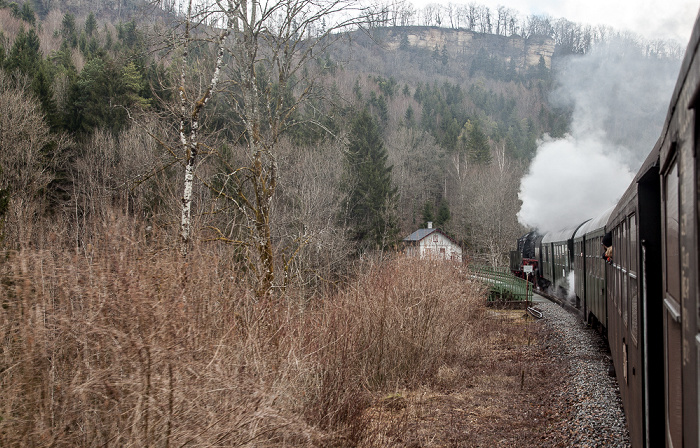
(595, 415)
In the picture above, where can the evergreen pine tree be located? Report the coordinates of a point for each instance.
(90, 24)
(43, 88)
(25, 55)
(404, 44)
(42, 7)
(444, 57)
(427, 214)
(27, 14)
(370, 201)
(476, 143)
(382, 109)
(69, 31)
(443, 214)
(357, 90)
(410, 117)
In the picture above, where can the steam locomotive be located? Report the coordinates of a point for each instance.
(633, 273)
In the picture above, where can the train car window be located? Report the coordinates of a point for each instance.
(673, 284)
(672, 327)
(594, 256)
(559, 256)
(589, 265)
(623, 295)
(633, 282)
(595, 253)
(616, 270)
(623, 270)
(618, 290)
(633, 264)
(607, 272)
(623, 245)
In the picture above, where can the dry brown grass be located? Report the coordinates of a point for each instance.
(507, 397)
(129, 345)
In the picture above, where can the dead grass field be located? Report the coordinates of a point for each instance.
(506, 398)
(129, 345)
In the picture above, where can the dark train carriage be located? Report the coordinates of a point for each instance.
(634, 306)
(557, 249)
(589, 270)
(679, 233)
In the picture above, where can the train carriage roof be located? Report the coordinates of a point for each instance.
(594, 224)
(561, 235)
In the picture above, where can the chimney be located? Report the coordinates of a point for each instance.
(430, 224)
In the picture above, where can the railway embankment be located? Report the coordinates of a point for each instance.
(594, 414)
(543, 383)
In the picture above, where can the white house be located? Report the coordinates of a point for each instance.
(432, 243)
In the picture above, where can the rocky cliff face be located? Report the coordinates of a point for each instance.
(525, 52)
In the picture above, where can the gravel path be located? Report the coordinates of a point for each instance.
(596, 418)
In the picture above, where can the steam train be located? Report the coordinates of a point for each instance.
(641, 287)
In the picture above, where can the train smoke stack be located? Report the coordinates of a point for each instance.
(619, 98)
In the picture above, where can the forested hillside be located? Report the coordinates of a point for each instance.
(459, 110)
(104, 95)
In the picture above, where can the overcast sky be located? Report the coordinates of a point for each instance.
(652, 19)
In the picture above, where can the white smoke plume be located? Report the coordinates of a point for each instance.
(619, 98)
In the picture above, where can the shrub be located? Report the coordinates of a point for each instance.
(129, 344)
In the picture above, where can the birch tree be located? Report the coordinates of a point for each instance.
(189, 121)
(264, 74)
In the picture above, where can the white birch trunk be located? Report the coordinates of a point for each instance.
(186, 218)
(191, 147)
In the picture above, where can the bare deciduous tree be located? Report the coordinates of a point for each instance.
(314, 249)
(24, 158)
(488, 205)
(264, 51)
